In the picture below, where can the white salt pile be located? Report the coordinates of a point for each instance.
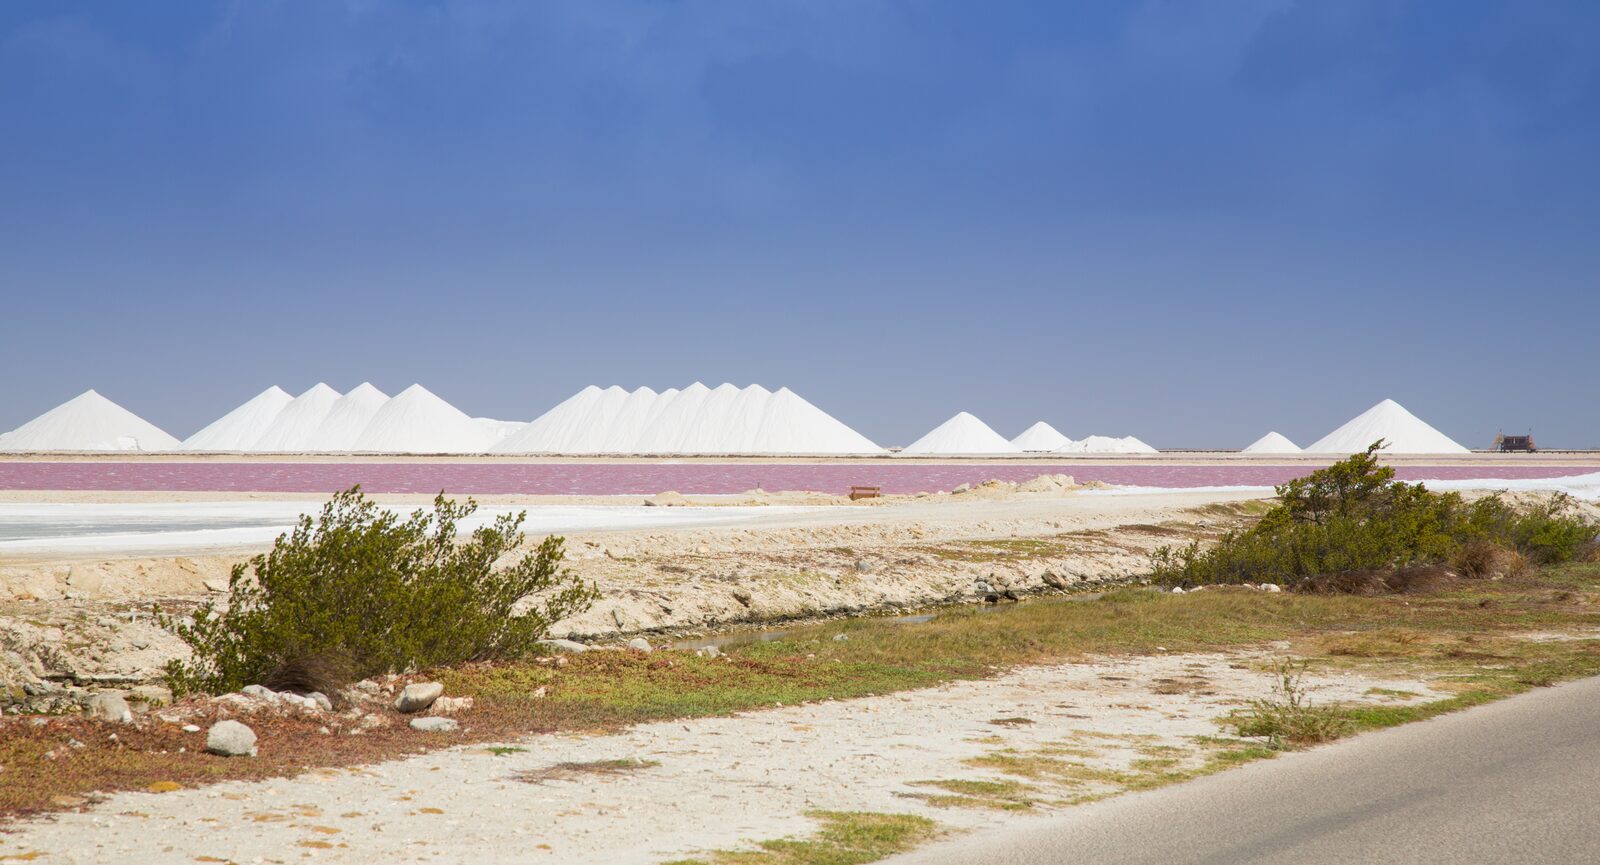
(1272, 443)
(1041, 438)
(1107, 445)
(498, 430)
(695, 420)
(347, 419)
(962, 434)
(88, 422)
(294, 428)
(241, 428)
(1388, 420)
(417, 422)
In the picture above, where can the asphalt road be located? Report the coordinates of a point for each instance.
(1514, 782)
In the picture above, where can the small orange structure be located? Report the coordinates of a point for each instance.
(859, 493)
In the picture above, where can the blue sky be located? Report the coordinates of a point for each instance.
(1188, 221)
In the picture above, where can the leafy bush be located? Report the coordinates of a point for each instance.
(1354, 517)
(359, 591)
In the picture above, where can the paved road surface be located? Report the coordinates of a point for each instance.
(1510, 783)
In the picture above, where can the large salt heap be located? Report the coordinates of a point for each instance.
(695, 420)
(88, 422)
(962, 434)
(791, 425)
(1272, 443)
(1404, 432)
(417, 422)
(241, 428)
(347, 419)
(1041, 438)
(1107, 445)
(295, 427)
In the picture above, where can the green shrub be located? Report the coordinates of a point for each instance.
(359, 591)
(1353, 517)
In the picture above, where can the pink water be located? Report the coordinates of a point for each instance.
(615, 478)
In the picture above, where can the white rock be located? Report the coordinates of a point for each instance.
(639, 643)
(321, 700)
(260, 692)
(572, 646)
(435, 725)
(450, 705)
(109, 706)
(231, 739)
(419, 696)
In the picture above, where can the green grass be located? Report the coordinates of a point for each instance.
(845, 838)
(968, 793)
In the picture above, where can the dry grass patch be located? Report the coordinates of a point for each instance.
(588, 769)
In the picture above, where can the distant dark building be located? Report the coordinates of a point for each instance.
(1508, 444)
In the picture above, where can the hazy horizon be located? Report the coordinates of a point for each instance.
(1188, 222)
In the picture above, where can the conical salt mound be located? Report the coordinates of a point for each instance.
(1107, 445)
(696, 420)
(239, 429)
(1272, 443)
(88, 422)
(417, 422)
(1404, 432)
(962, 434)
(791, 425)
(1041, 437)
(347, 419)
(292, 430)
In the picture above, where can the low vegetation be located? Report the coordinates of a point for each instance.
(846, 838)
(1468, 640)
(359, 591)
(1352, 527)
(1289, 717)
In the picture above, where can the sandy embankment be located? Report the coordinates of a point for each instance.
(79, 621)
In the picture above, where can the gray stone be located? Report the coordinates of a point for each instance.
(1054, 580)
(152, 696)
(231, 739)
(435, 725)
(260, 692)
(708, 652)
(108, 706)
(742, 596)
(1271, 587)
(840, 638)
(321, 700)
(863, 566)
(961, 489)
(419, 696)
(641, 644)
(572, 646)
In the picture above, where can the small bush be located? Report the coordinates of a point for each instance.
(359, 591)
(1354, 519)
(1288, 718)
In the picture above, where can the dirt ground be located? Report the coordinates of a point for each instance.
(661, 791)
